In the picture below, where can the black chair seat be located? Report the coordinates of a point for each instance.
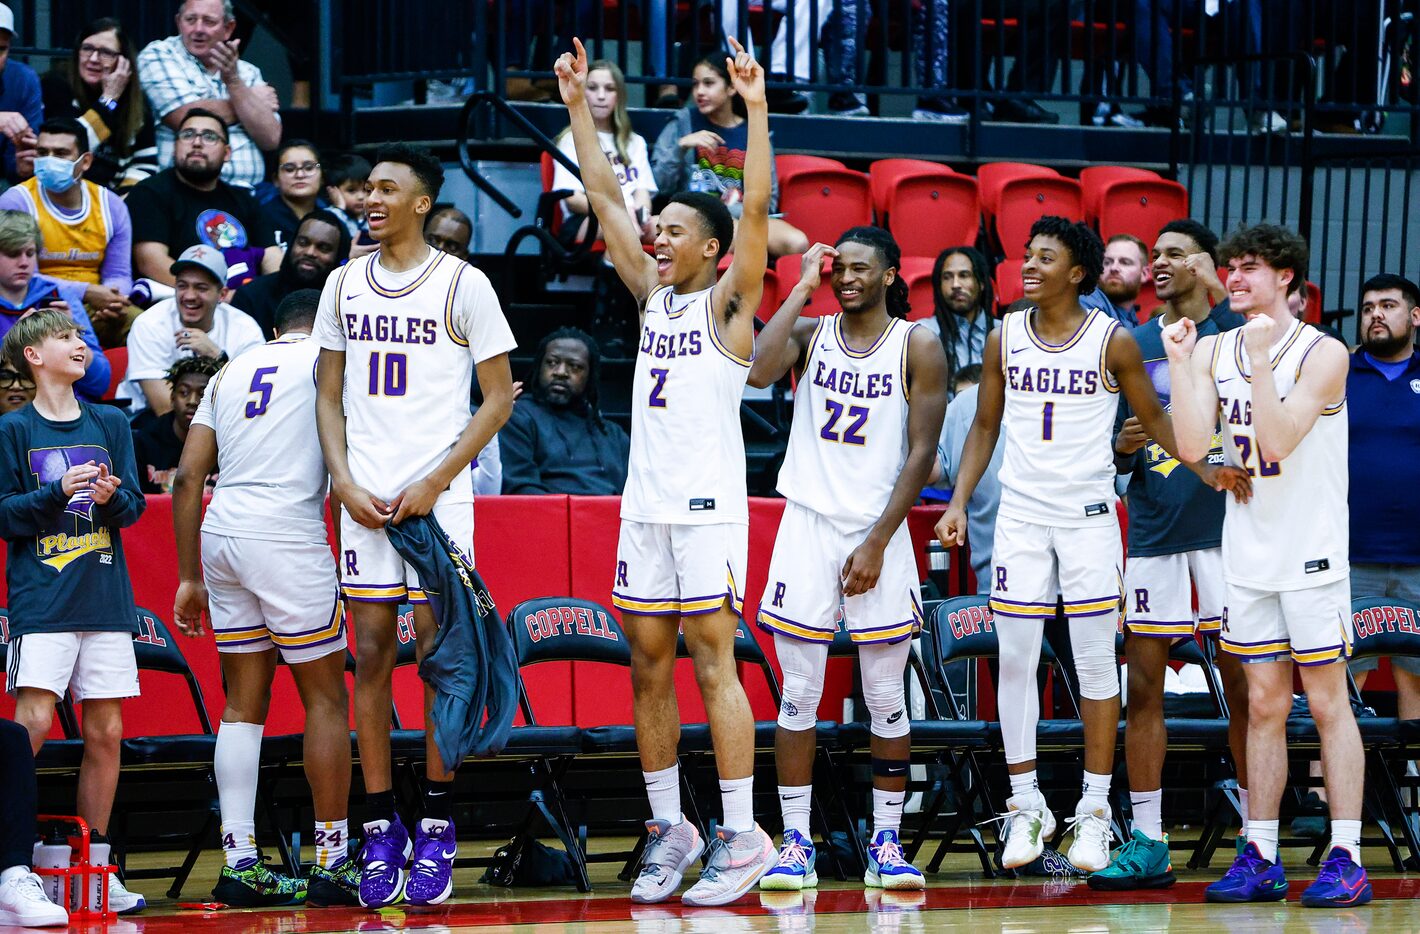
(189, 750)
(694, 737)
(287, 747)
(1054, 733)
(65, 754)
(544, 741)
(926, 734)
(1196, 733)
(1375, 731)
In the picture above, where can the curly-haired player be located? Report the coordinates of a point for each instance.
(1052, 373)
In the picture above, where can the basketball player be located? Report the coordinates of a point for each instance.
(269, 586)
(1052, 375)
(401, 332)
(680, 561)
(1279, 386)
(1175, 533)
(867, 414)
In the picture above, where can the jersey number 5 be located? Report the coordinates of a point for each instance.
(853, 433)
(260, 387)
(396, 374)
(1264, 468)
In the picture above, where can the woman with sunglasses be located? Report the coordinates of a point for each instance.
(98, 87)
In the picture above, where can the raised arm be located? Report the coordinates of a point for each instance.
(1192, 390)
(742, 285)
(980, 442)
(623, 240)
(782, 343)
(1282, 424)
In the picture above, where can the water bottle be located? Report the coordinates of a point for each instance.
(98, 856)
(52, 853)
(702, 179)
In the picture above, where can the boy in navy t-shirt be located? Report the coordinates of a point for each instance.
(67, 485)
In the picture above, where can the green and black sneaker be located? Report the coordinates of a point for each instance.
(1141, 863)
(334, 886)
(252, 884)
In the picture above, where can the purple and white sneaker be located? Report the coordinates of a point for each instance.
(431, 878)
(383, 859)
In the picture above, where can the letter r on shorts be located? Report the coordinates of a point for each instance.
(1000, 579)
(350, 563)
(1141, 600)
(778, 595)
(621, 574)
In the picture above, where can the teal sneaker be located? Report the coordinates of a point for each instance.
(252, 884)
(333, 886)
(1141, 863)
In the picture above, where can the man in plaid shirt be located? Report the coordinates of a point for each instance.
(199, 67)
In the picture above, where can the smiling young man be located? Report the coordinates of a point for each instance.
(1280, 388)
(872, 392)
(405, 329)
(684, 540)
(320, 245)
(1052, 377)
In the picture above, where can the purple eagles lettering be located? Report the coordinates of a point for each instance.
(1237, 411)
(391, 329)
(1053, 380)
(852, 383)
(670, 346)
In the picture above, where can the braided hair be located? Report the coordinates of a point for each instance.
(891, 255)
(594, 369)
(948, 321)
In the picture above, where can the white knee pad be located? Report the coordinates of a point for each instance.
(1017, 691)
(803, 664)
(882, 668)
(1096, 662)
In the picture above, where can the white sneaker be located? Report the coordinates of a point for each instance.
(121, 900)
(670, 851)
(737, 860)
(1267, 121)
(1029, 824)
(1093, 834)
(23, 903)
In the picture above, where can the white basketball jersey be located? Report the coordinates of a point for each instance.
(1058, 424)
(848, 440)
(687, 450)
(1295, 531)
(411, 341)
(271, 479)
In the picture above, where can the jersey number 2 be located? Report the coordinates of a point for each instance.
(396, 373)
(853, 433)
(658, 401)
(1264, 468)
(260, 387)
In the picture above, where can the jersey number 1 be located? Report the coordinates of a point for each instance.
(1047, 422)
(396, 373)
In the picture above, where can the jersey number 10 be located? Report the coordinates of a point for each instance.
(395, 372)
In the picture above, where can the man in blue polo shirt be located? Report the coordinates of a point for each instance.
(1383, 397)
(1175, 545)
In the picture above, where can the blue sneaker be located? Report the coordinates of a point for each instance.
(888, 868)
(383, 859)
(794, 868)
(1342, 883)
(431, 877)
(1250, 879)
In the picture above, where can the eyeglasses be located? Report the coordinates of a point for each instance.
(10, 378)
(107, 56)
(299, 168)
(207, 136)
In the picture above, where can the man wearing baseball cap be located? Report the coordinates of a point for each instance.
(195, 321)
(21, 108)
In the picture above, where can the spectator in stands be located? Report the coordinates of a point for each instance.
(97, 87)
(1117, 295)
(961, 315)
(297, 190)
(556, 440)
(200, 69)
(84, 230)
(16, 390)
(23, 290)
(157, 446)
(320, 245)
(804, 40)
(189, 204)
(21, 105)
(1383, 398)
(194, 322)
(845, 36)
(345, 177)
(981, 508)
(450, 230)
(23, 901)
(625, 149)
(703, 149)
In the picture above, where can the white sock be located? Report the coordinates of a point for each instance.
(1148, 809)
(1096, 792)
(1025, 785)
(332, 839)
(887, 810)
(1263, 833)
(236, 762)
(794, 804)
(663, 789)
(1242, 806)
(1346, 833)
(737, 795)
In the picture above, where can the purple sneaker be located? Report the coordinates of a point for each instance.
(383, 859)
(431, 878)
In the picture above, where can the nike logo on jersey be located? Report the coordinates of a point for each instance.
(351, 298)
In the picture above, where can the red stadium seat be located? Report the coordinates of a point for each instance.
(931, 212)
(786, 167)
(1148, 301)
(118, 363)
(1023, 201)
(822, 301)
(1007, 283)
(1313, 313)
(883, 175)
(992, 177)
(916, 271)
(825, 202)
(1094, 179)
(1140, 207)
